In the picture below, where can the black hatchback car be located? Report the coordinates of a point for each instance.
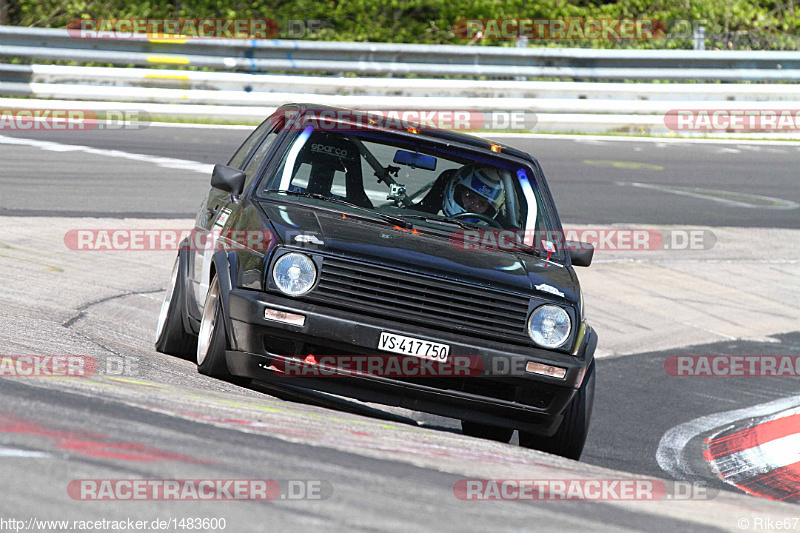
(394, 264)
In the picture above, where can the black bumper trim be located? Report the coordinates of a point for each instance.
(351, 331)
(374, 389)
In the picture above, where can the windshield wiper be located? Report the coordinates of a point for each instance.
(375, 215)
(441, 220)
(536, 251)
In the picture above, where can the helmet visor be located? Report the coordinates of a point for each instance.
(473, 202)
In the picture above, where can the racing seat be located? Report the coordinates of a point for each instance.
(432, 203)
(328, 153)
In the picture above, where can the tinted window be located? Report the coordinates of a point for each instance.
(260, 155)
(477, 189)
(244, 151)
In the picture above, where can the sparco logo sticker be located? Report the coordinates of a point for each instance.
(332, 150)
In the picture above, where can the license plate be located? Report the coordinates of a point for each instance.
(416, 347)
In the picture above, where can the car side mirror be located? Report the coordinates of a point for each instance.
(580, 253)
(228, 179)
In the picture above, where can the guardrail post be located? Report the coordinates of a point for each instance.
(700, 38)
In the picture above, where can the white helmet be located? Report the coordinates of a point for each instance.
(482, 179)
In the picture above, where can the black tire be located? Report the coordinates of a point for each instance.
(570, 437)
(171, 337)
(483, 431)
(211, 340)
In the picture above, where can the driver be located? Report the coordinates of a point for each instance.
(474, 188)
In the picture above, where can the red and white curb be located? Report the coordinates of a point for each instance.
(760, 457)
(756, 449)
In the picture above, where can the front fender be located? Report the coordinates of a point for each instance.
(189, 309)
(224, 267)
(585, 346)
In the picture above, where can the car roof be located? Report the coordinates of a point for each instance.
(426, 131)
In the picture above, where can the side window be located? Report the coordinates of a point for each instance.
(260, 155)
(244, 151)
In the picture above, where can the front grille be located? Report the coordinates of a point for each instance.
(422, 300)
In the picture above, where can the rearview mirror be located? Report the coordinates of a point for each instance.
(228, 179)
(414, 159)
(580, 253)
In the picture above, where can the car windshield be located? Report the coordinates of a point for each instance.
(433, 187)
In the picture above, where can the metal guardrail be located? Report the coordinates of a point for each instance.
(403, 59)
(170, 87)
(21, 79)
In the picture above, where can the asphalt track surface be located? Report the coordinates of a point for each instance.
(382, 469)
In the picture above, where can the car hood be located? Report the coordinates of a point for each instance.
(374, 242)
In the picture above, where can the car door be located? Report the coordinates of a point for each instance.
(220, 208)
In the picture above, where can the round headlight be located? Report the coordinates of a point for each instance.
(294, 274)
(549, 326)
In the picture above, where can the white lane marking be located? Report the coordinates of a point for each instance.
(710, 194)
(671, 447)
(591, 142)
(164, 162)
(13, 452)
(201, 126)
(663, 141)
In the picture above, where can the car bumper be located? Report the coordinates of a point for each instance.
(524, 401)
